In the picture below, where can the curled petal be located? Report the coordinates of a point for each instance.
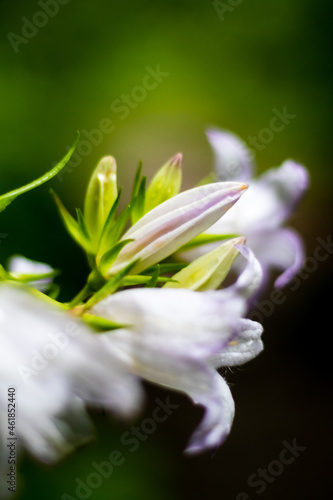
(243, 348)
(250, 279)
(289, 182)
(282, 249)
(233, 159)
(219, 414)
(181, 371)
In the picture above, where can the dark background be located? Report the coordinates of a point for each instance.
(230, 73)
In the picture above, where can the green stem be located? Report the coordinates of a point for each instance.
(81, 296)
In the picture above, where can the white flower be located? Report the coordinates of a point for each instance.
(260, 214)
(174, 336)
(57, 365)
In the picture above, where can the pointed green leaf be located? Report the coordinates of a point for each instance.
(110, 256)
(72, 226)
(137, 181)
(153, 280)
(138, 209)
(7, 198)
(82, 224)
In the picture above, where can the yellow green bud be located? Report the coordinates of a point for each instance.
(165, 183)
(208, 271)
(101, 194)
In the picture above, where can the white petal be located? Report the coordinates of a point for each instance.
(243, 348)
(267, 203)
(233, 159)
(281, 249)
(175, 319)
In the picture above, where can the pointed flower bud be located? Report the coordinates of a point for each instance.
(101, 194)
(208, 271)
(165, 184)
(163, 230)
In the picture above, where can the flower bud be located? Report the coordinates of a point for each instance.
(208, 271)
(167, 227)
(101, 194)
(165, 184)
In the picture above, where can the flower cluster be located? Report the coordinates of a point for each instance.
(154, 306)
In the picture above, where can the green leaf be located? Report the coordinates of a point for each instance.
(137, 181)
(82, 224)
(205, 239)
(7, 198)
(153, 280)
(138, 209)
(72, 226)
(110, 256)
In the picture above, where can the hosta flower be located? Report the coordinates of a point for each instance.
(261, 213)
(57, 364)
(174, 337)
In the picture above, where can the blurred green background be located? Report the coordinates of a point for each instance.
(226, 69)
